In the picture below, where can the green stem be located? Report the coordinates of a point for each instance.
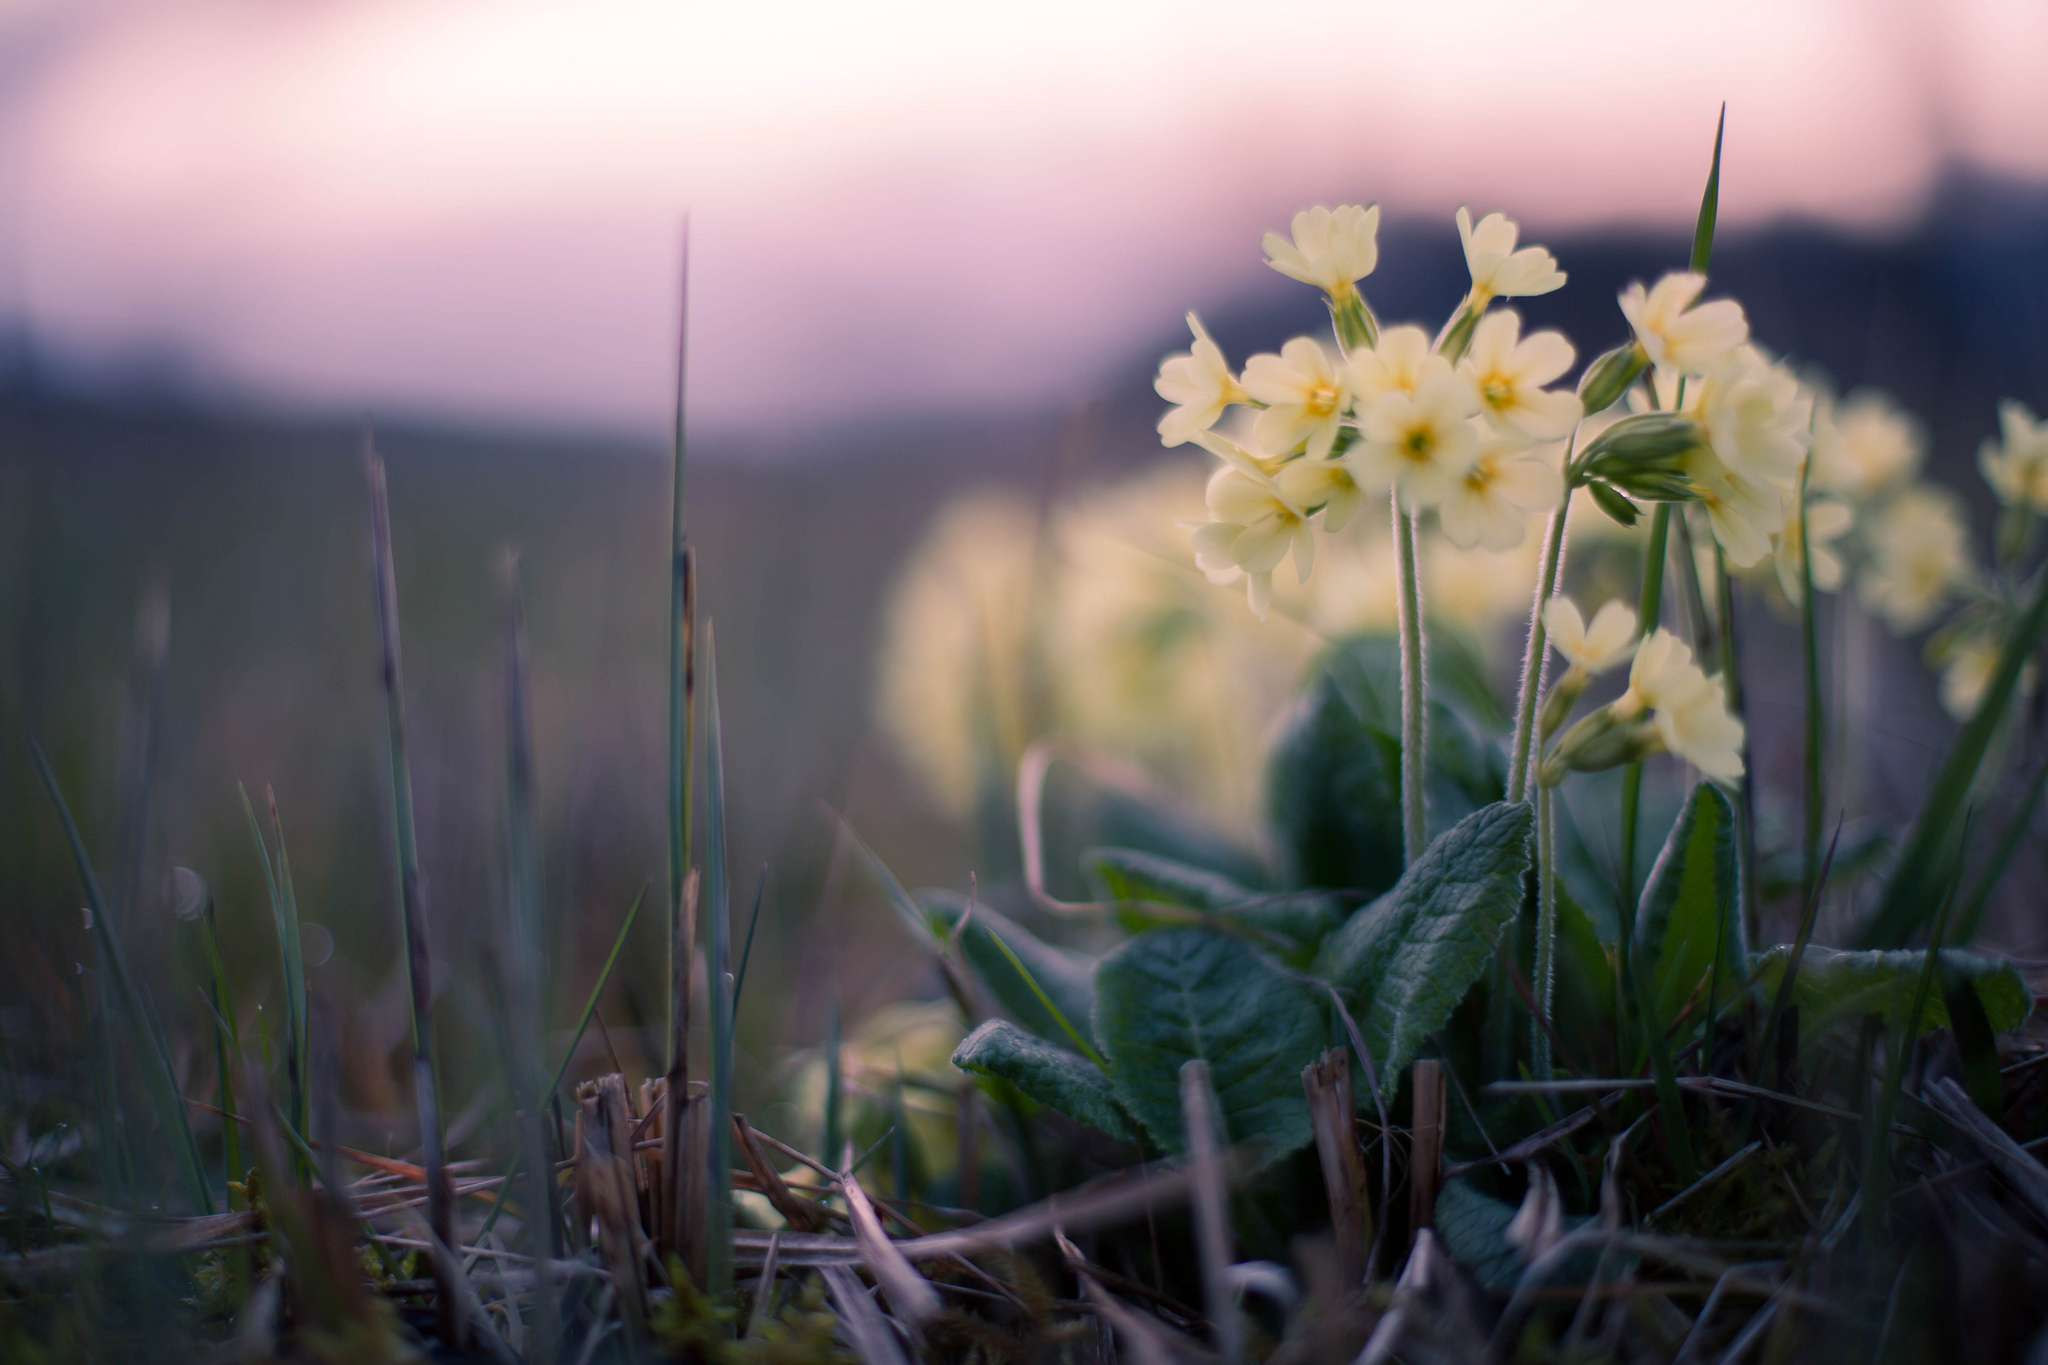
(1648, 608)
(1546, 923)
(1816, 798)
(1532, 660)
(1414, 700)
(1745, 811)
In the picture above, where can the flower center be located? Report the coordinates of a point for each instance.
(1419, 443)
(1497, 392)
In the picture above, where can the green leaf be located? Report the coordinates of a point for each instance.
(1836, 987)
(1407, 959)
(1710, 205)
(1066, 977)
(1126, 874)
(1688, 909)
(1169, 996)
(1051, 1076)
(1976, 1043)
(1333, 794)
(1474, 1229)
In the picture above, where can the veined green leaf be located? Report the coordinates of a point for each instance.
(1407, 959)
(1051, 1076)
(1836, 986)
(1127, 874)
(1333, 794)
(1066, 977)
(1169, 996)
(1689, 906)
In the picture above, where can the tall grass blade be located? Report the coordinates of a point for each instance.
(412, 904)
(739, 980)
(223, 1005)
(1915, 879)
(604, 978)
(524, 934)
(682, 655)
(1877, 1133)
(718, 1190)
(1710, 204)
(159, 1076)
(1965, 927)
(833, 1136)
(284, 914)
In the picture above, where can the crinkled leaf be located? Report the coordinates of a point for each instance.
(1688, 909)
(1405, 961)
(1169, 996)
(1066, 977)
(1836, 986)
(1052, 1076)
(1127, 874)
(1474, 1227)
(1474, 1230)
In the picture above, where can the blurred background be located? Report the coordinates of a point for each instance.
(936, 254)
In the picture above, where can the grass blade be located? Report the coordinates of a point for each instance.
(739, 981)
(1085, 1048)
(682, 657)
(1710, 204)
(1910, 891)
(158, 1074)
(835, 1086)
(718, 1202)
(412, 905)
(1965, 927)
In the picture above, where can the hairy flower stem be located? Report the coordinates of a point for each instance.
(1648, 608)
(1532, 661)
(1815, 720)
(1414, 699)
(1731, 682)
(1546, 924)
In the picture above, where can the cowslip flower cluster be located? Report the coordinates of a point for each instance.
(1671, 705)
(1464, 426)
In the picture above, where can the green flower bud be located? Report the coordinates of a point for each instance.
(1609, 376)
(1614, 504)
(1601, 741)
(1557, 707)
(1353, 319)
(1457, 334)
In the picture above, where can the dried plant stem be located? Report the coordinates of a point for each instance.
(1547, 572)
(412, 906)
(1414, 693)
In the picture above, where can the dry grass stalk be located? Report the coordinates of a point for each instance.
(1426, 1144)
(910, 1294)
(803, 1215)
(606, 1190)
(1330, 1108)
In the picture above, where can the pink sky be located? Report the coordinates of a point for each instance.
(470, 207)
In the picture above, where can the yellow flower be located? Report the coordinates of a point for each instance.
(2017, 467)
(1419, 443)
(1201, 386)
(1509, 371)
(1677, 335)
(1396, 365)
(1919, 551)
(1826, 522)
(1966, 669)
(1488, 505)
(1864, 447)
(1595, 648)
(1498, 270)
(1688, 709)
(1324, 486)
(1756, 417)
(1743, 514)
(1332, 249)
(1251, 528)
(1305, 396)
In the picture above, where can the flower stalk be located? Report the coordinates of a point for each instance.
(1414, 699)
(1548, 568)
